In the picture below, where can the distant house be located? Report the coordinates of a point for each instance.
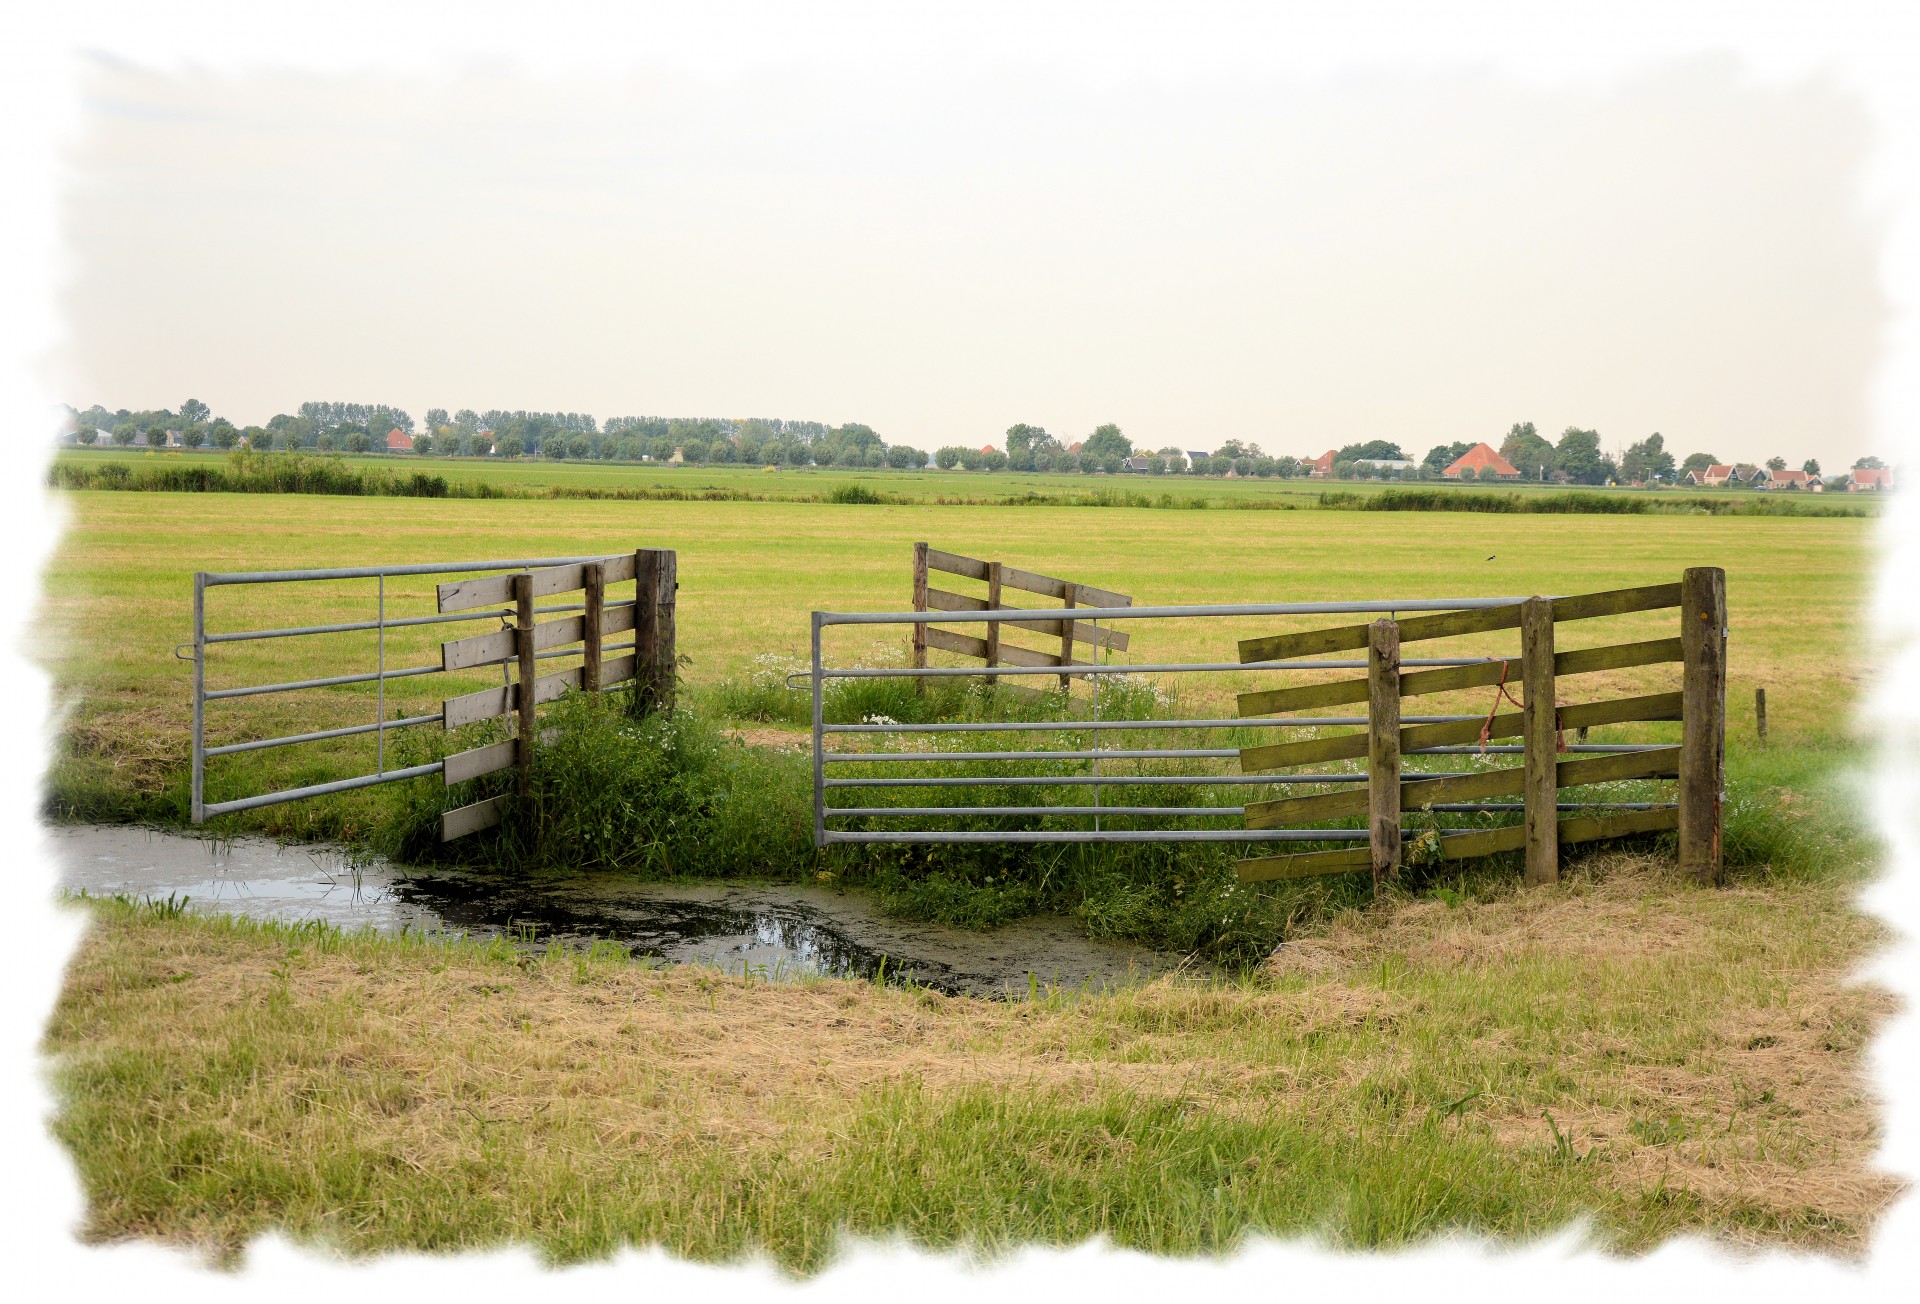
(1138, 462)
(1863, 480)
(173, 439)
(1711, 478)
(1074, 447)
(1783, 480)
(1321, 467)
(1194, 455)
(1477, 458)
(399, 441)
(1748, 474)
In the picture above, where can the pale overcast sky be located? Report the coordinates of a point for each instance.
(1302, 263)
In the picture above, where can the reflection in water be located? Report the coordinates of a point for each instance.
(770, 932)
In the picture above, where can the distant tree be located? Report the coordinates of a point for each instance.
(478, 445)
(193, 436)
(510, 446)
(851, 455)
(723, 450)
(1811, 466)
(1021, 439)
(124, 433)
(579, 446)
(903, 457)
(1776, 464)
(324, 441)
(1202, 464)
(971, 459)
(86, 435)
(424, 444)
(193, 412)
(1442, 456)
(1380, 449)
(947, 458)
(1532, 456)
(1869, 464)
(437, 417)
(1266, 467)
(1286, 467)
(1577, 456)
(1647, 460)
(1107, 441)
(1487, 473)
(876, 456)
(1698, 462)
(156, 436)
(1156, 464)
(660, 448)
(994, 460)
(358, 441)
(258, 438)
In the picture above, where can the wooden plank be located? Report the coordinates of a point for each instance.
(1295, 812)
(1540, 735)
(965, 645)
(1592, 828)
(1306, 864)
(1451, 624)
(500, 645)
(524, 701)
(941, 600)
(489, 703)
(471, 764)
(954, 564)
(1047, 586)
(1449, 679)
(1275, 756)
(493, 590)
(1383, 750)
(1703, 731)
(646, 567)
(459, 822)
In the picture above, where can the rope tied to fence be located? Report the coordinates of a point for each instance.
(1500, 691)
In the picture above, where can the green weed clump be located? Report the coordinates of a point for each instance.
(1573, 502)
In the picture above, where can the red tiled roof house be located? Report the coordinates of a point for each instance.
(1480, 456)
(1319, 468)
(1865, 480)
(399, 441)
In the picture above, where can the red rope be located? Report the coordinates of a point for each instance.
(1500, 691)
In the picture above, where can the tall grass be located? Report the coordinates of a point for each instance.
(1573, 502)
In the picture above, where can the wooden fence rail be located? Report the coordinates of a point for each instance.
(1697, 763)
(993, 649)
(649, 660)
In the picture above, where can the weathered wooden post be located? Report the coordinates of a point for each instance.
(993, 626)
(1539, 738)
(646, 624)
(664, 675)
(1703, 715)
(920, 604)
(1383, 748)
(524, 690)
(1069, 593)
(1760, 712)
(596, 588)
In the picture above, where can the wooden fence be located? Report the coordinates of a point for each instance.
(1697, 762)
(1066, 636)
(649, 659)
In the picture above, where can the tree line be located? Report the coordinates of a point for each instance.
(1575, 458)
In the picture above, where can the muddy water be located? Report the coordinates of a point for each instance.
(773, 931)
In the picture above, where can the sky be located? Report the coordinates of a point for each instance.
(1297, 260)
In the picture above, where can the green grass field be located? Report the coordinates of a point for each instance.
(930, 485)
(1453, 1054)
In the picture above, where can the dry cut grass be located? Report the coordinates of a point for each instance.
(1660, 1057)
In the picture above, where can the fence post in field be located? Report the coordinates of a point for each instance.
(1703, 728)
(665, 671)
(523, 693)
(1383, 748)
(646, 624)
(920, 604)
(1069, 593)
(993, 626)
(1760, 712)
(1539, 735)
(596, 589)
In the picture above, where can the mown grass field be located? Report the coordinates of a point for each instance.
(1460, 1054)
(929, 485)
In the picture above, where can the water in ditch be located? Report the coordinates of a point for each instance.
(774, 931)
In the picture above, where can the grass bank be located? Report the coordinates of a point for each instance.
(1661, 1058)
